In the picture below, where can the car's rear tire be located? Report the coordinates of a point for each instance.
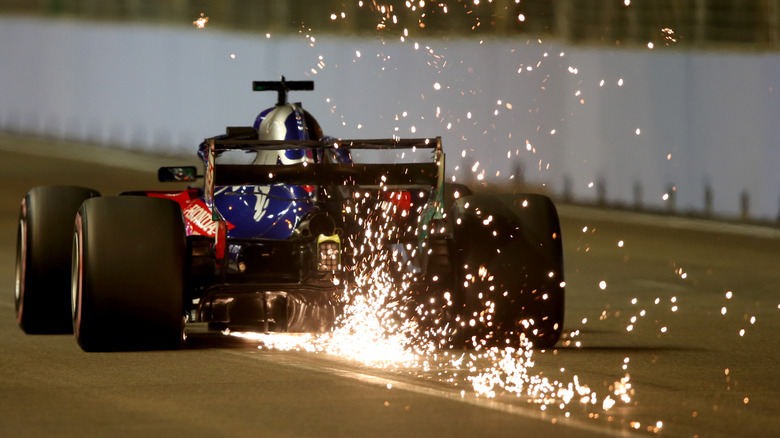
(43, 251)
(128, 274)
(510, 270)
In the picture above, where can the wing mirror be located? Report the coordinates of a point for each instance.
(172, 174)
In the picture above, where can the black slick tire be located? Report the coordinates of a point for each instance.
(509, 265)
(128, 274)
(43, 258)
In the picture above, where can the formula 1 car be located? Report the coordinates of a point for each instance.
(268, 243)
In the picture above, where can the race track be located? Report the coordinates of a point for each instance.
(689, 310)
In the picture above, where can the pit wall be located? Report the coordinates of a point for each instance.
(659, 129)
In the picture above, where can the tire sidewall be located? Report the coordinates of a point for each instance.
(77, 275)
(43, 258)
(22, 245)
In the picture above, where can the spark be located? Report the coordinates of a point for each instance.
(669, 35)
(382, 326)
(200, 23)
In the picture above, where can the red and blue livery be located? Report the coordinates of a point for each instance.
(266, 244)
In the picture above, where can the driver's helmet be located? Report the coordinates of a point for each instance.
(286, 122)
(272, 211)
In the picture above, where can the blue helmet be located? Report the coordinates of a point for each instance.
(287, 121)
(273, 211)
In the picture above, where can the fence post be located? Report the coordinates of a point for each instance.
(744, 203)
(601, 192)
(637, 195)
(671, 193)
(567, 183)
(708, 200)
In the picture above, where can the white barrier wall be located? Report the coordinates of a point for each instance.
(660, 118)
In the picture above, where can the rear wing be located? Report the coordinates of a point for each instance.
(322, 174)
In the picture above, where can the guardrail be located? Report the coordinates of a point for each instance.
(596, 126)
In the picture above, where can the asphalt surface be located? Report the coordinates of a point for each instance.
(658, 319)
